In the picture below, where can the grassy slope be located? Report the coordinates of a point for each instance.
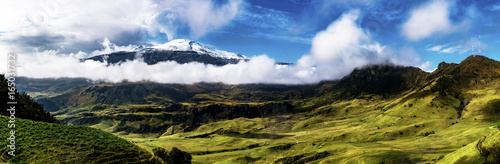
(39, 142)
(485, 149)
(49, 87)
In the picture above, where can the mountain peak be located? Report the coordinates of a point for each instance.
(479, 65)
(190, 45)
(176, 45)
(477, 59)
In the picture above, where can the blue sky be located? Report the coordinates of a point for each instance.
(285, 28)
(321, 36)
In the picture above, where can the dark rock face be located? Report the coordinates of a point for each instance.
(188, 118)
(385, 80)
(153, 57)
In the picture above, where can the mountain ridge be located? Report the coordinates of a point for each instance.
(180, 50)
(191, 45)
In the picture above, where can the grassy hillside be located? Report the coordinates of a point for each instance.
(39, 142)
(50, 87)
(484, 150)
(25, 108)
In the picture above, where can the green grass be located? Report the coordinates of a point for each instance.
(60, 117)
(39, 142)
(466, 155)
(240, 125)
(210, 97)
(495, 124)
(484, 150)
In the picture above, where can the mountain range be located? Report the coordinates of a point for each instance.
(376, 114)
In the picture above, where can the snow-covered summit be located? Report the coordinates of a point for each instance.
(190, 45)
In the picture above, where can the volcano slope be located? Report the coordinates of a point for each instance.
(377, 114)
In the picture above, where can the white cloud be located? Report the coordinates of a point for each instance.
(336, 41)
(71, 26)
(428, 19)
(437, 48)
(3, 59)
(450, 49)
(110, 48)
(495, 7)
(202, 16)
(344, 46)
(446, 48)
(79, 25)
(426, 66)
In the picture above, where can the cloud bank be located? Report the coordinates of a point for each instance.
(80, 25)
(71, 26)
(335, 52)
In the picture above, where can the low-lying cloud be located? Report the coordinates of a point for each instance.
(335, 52)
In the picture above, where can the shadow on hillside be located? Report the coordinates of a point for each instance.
(259, 135)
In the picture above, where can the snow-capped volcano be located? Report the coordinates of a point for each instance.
(179, 50)
(190, 45)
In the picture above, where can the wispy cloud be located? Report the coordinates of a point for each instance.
(446, 48)
(271, 24)
(287, 37)
(201, 16)
(495, 7)
(451, 49)
(266, 18)
(437, 48)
